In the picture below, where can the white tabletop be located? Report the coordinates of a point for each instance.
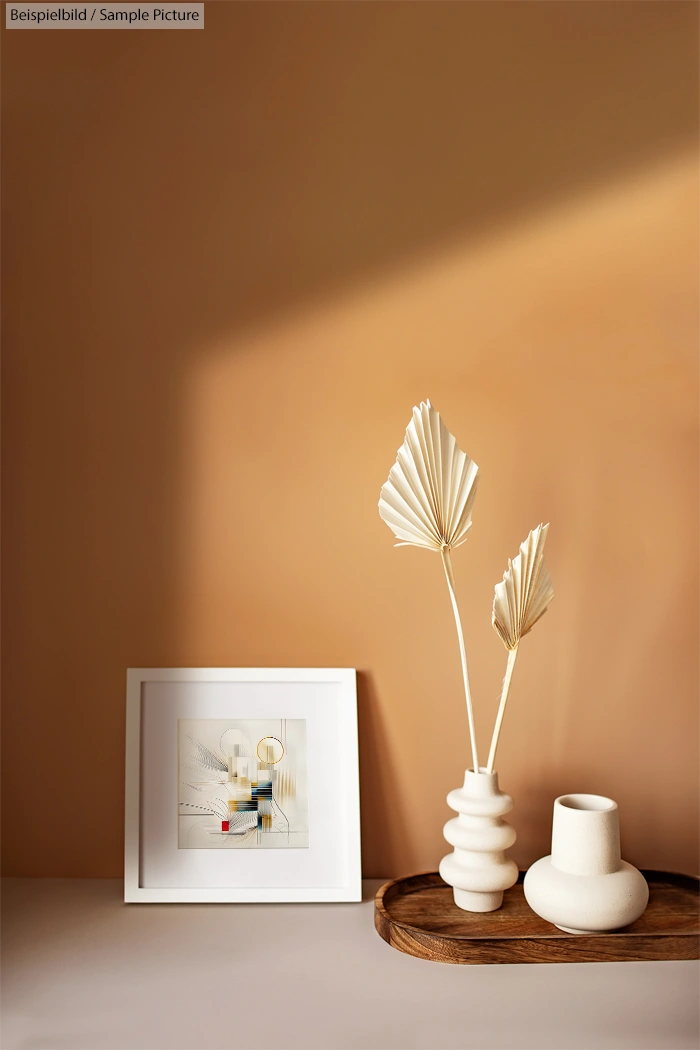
(83, 970)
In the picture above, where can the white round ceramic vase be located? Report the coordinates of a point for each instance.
(478, 869)
(585, 886)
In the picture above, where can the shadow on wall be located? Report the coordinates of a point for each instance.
(162, 190)
(385, 830)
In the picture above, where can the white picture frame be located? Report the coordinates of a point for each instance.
(157, 869)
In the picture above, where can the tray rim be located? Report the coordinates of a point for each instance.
(693, 883)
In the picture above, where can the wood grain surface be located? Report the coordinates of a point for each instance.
(417, 915)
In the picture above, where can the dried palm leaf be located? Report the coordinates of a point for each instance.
(427, 502)
(525, 592)
(520, 600)
(428, 499)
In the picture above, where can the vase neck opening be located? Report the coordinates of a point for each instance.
(481, 783)
(587, 803)
(586, 835)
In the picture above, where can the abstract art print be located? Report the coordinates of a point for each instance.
(242, 784)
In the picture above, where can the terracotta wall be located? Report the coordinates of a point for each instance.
(233, 261)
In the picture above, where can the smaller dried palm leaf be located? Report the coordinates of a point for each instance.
(525, 592)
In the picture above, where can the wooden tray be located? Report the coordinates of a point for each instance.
(417, 915)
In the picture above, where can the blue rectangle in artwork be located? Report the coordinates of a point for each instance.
(247, 806)
(262, 791)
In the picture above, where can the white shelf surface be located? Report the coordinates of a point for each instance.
(83, 971)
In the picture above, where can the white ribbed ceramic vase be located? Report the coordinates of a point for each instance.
(585, 886)
(478, 869)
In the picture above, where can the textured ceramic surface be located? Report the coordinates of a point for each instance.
(584, 886)
(478, 869)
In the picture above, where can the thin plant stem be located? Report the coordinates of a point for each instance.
(512, 653)
(447, 563)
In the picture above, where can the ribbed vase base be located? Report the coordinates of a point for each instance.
(469, 900)
(567, 929)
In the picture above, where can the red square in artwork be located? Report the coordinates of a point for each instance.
(224, 825)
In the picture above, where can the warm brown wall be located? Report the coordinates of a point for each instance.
(233, 261)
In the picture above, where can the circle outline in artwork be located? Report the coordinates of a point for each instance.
(268, 737)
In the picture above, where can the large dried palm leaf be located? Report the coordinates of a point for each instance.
(428, 498)
(520, 600)
(427, 502)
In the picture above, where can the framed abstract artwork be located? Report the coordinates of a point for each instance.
(242, 785)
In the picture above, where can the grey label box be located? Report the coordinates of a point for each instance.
(104, 16)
